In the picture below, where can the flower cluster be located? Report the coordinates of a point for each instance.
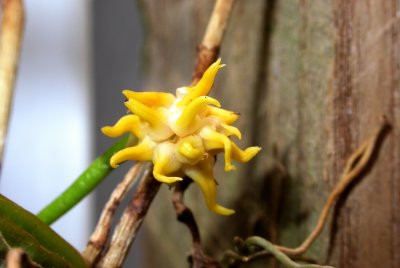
(181, 135)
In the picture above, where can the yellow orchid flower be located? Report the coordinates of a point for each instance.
(181, 134)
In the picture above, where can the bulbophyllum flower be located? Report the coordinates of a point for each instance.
(181, 135)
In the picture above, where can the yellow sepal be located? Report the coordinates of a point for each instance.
(148, 114)
(231, 130)
(190, 150)
(246, 155)
(228, 117)
(141, 152)
(128, 123)
(158, 129)
(203, 87)
(212, 136)
(202, 175)
(188, 121)
(165, 163)
(151, 99)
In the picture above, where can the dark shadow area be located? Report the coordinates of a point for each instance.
(117, 41)
(255, 209)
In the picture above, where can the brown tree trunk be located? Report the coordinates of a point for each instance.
(311, 80)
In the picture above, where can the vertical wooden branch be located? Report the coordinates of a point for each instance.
(10, 42)
(208, 49)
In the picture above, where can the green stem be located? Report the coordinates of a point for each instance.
(83, 185)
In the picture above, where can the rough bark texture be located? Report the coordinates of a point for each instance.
(311, 80)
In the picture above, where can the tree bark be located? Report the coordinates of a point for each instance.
(311, 80)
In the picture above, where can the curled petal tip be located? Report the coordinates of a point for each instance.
(222, 211)
(231, 130)
(212, 101)
(252, 151)
(105, 130)
(129, 123)
(127, 92)
(246, 155)
(227, 116)
(218, 64)
(114, 163)
(166, 179)
(203, 86)
(140, 152)
(229, 167)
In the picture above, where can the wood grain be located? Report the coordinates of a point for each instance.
(311, 80)
(367, 81)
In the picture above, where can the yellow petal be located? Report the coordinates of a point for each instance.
(165, 179)
(158, 129)
(246, 155)
(210, 145)
(202, 175)
(215, 138)
(141, 152)
(203, 87)
(129, 123)
(186, 149)
(151, 99)
(150, 115)
(190, 150)
(188, 121)
(165, 163)
(228, 117)
(231, 130)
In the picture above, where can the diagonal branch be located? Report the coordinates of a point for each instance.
(99, 238)
(208, 49)
(130, 222)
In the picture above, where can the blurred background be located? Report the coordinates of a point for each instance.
(310, 79)
(77, 57)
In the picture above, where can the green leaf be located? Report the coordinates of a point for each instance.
(20, 228)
